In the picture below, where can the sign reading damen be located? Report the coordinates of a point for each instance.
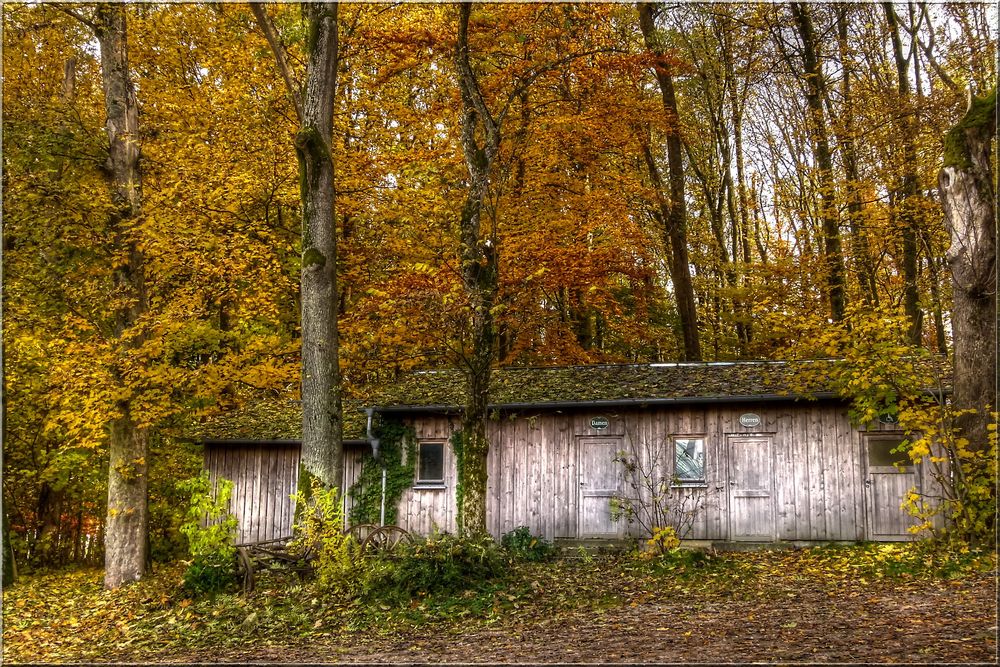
(750, 420)
(599, 423)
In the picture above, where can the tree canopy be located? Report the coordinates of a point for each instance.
(805, 142)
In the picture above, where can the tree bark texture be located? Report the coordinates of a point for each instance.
(965, 183)
(480, 280)
(907, 188)
(322, 430)
(676, 218)
(813, 74)
(127, 519)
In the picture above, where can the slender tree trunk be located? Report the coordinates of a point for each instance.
(847, 137)
(934, 265)
(813, 74)
(127, 519)
(478, 255)
(676, 220)
(969, 201)
(7, 556)
(907, 188)
(744, 325)
(322, 427)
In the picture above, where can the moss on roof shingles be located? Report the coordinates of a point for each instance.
(584, 384)
(279, 419)
(272, 419)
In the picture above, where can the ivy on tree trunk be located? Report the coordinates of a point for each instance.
(478, 255)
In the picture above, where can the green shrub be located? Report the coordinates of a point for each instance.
(522, 545)
(212, 573)
(319, 531)
(440, 564)
(210, 530)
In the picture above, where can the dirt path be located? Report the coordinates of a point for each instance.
(941, 622)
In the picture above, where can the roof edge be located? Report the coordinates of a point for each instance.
(611, 403)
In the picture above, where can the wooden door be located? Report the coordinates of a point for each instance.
(886, 484)
(599, 481)
(751, 505)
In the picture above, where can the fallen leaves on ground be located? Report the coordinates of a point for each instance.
(865, 603)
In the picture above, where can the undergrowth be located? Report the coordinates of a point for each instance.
(69, 617)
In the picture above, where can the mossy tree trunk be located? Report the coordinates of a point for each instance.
(478, 256)
(322, 428)
(966, 185)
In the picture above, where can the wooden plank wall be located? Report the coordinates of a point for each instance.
(264, 478)
(817, 471)
(432, 510)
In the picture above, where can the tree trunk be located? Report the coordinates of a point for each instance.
(480, 283)
(7, 556)
(907, 188)
(322, 426)
(676, 220)
(813, 74)
(322, 430)
(846, 137)
(127, 519)
(966, 186)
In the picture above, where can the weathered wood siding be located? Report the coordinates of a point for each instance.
(809, 486)
(432, 510)
(264, 478)
(799, 475)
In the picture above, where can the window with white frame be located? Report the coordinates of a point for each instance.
(430, 464)
(689, 459)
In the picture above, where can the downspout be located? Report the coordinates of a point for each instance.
(374, 442)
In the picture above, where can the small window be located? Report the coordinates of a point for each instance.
(430, 464)
(880, 453)
(689, 460)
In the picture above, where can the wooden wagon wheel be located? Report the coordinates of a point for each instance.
(385, 540)
(245, 565)
(361, 531)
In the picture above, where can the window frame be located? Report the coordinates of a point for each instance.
(422, 483)
(677, 481)
(906, 465)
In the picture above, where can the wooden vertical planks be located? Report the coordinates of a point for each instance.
(534, 471)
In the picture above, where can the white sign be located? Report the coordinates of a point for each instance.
(599, 423)
(750, 420)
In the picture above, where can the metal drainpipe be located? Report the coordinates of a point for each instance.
(376, 455)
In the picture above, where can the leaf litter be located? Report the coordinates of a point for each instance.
(863, 604)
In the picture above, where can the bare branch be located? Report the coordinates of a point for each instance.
(531, 78)
(78, 16)
(928, 48)
(280, 54)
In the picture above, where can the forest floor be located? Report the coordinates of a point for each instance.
(864, 604)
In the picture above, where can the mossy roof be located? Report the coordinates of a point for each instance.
(610, 383)
(272, 418)
(541, 387)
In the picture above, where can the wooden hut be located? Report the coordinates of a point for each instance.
(735, 450)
